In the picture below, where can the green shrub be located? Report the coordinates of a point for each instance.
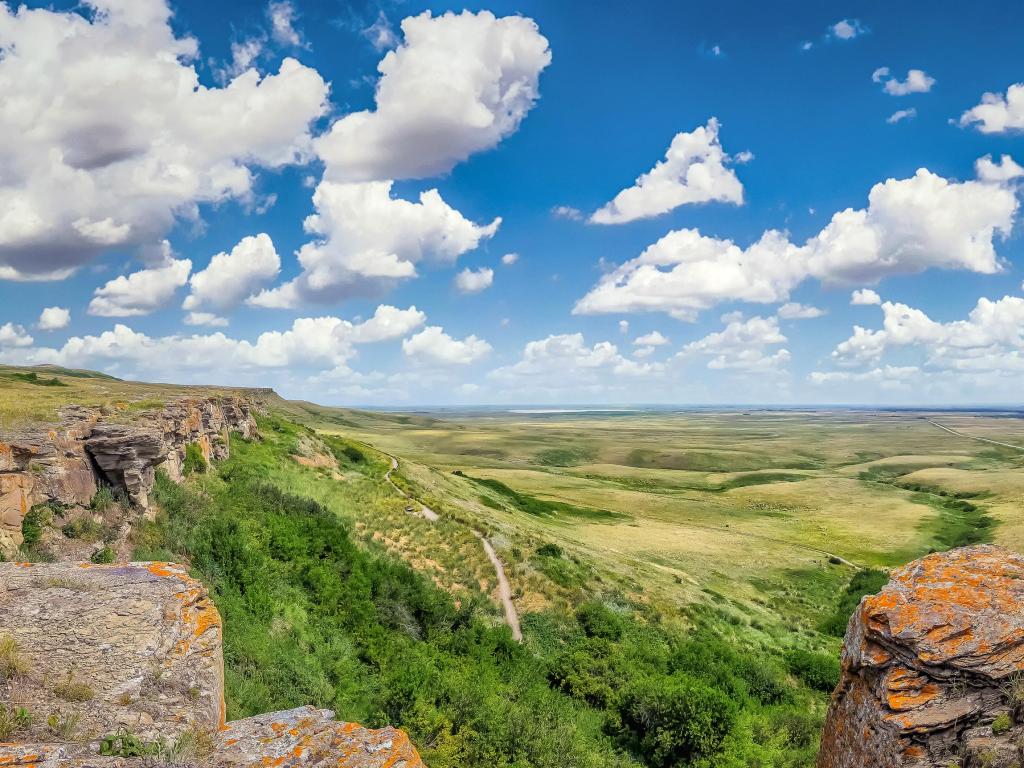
(83, 528)
(195, 462)
(598, 620)
(124, 743)
(865, 582)
(33, 523)
(13, 720)
(1001, 724)
(103, 556)
(103, 499)
(817, 670)
(71, 689)
(549, 550)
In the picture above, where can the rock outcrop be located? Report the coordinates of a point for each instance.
(933, 668)
(65, 465)
(134, 652)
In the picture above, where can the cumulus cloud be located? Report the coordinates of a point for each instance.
(865, 296)
(457, 85)
(567, 212)
(470, 281)
(916, 81)
(114, 137)
(796, 311)
(997, 113)
(433, 346)
(1001, 172)
(889, 376)
(509, 259)
(991, 338)
(370, 239)
(12, 335)
(847, 29)
(381, 34)
(140, 292)
(900, 115)
(53, 319)
(693, 171)
(206, 318)
(743, 346)
(282, 17)
(909, 225)
(652, 339)
(232, 277)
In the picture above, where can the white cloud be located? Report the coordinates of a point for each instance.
(652, 339)
(644, 352)
(232, 277)
(370, 239)
(206, 318)
(742, 346)
(796, 311)
(909, 225)
(990, 339)
(381, 34)
(847, 29)
(997, 172)
(567, 212)
(889, 376)
(623, 326)
(282, 17)
(900, 115)
(997, 113)
(509, 259)
(470, 281)
(693, 171)
(113, 137)
(457, 85)
(916, 81)
(433, 345)
(12, 335)
(53, 319)
(865, 296)
(388, 323)
(140, 292)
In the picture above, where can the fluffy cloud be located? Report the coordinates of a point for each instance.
(565, 363)
(900, 115)
(232, 277)
(889, 376)
(1001, 172)
(917, 81)
(206, 318)
(693, 171)
(457, 85)
(470, 281)
(282, 17)
(652, 339)
(509, 259)
(310, 344)
(380, 34)
(909, 225)
(113, 137)
(743, 345)
(990, 339)
(140, 292)
(997, 113)
(796, 311)
(847, 29)
(433, 345)
(369, 239)
(12, 335)
(53, 319)
(567, 212)
(865, 296)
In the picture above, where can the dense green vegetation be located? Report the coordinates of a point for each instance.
(533, 505)
(314, 616)
(866, 582)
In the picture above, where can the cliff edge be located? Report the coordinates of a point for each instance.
(933, 668)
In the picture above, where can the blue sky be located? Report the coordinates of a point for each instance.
(549, 111)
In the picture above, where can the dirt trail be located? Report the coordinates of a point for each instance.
(972, 437)
(504, 588)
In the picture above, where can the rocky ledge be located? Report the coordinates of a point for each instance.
(121, 665)
(65, 465)
(933, 668)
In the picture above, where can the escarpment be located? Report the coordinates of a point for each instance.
(64, 466)
(933, 668)
(121, 665)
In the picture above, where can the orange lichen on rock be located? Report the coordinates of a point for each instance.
(926, 662)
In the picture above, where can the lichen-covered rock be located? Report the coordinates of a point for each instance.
(311, 738)
(138, 647)
(933, 668)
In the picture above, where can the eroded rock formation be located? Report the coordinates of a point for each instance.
(64, 465)
(138, 647)
(933, 668)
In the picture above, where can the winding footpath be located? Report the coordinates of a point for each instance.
(972, 437)
(504, 587)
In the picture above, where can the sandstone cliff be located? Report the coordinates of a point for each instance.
(65, 465)
(131, 654)
(933, 668)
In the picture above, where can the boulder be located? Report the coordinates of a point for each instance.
(933, 668)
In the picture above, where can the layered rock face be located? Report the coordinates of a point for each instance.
(933, 668)
(87, 651)
(65, 465)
